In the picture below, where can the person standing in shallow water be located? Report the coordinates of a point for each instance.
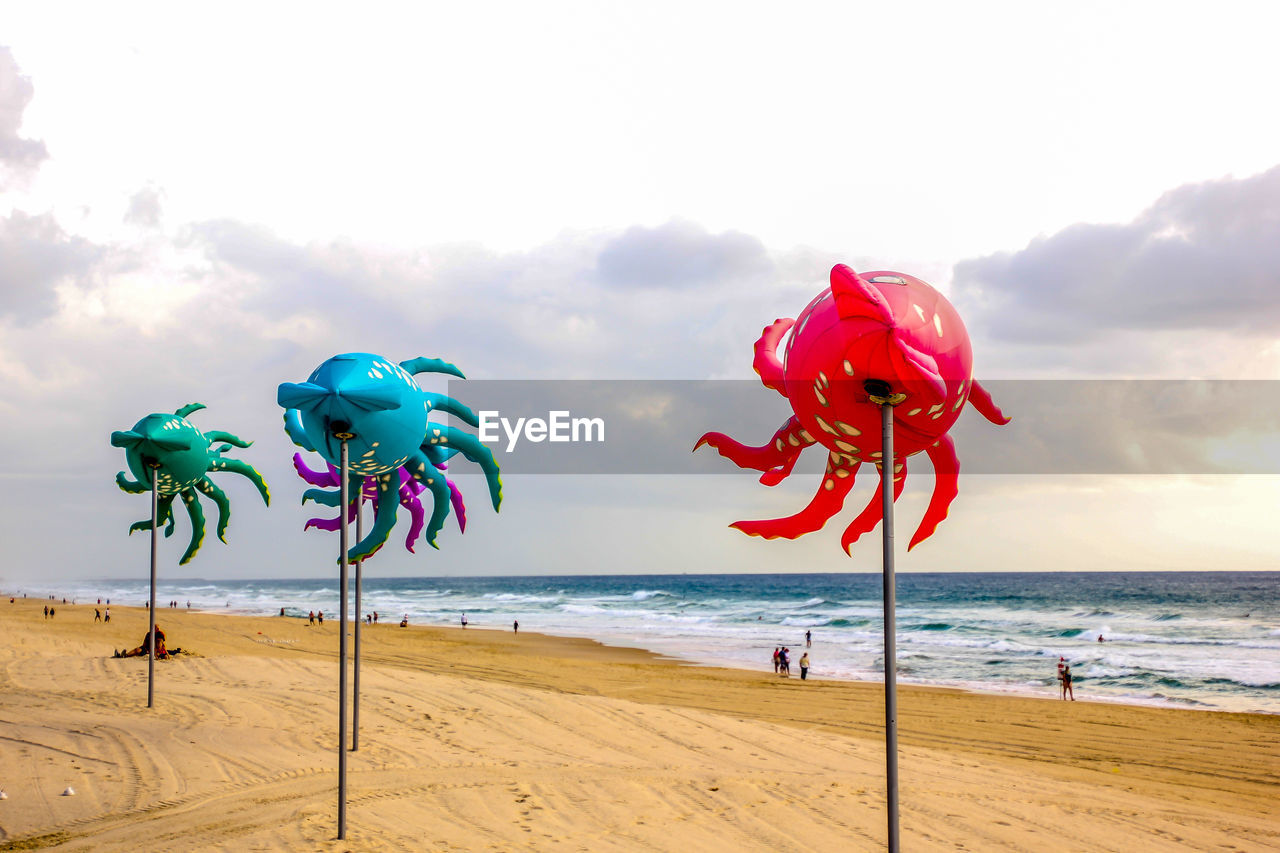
(464, 620)
(1066, 684)
(808, 640)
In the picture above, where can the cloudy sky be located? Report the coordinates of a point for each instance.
(201, 205)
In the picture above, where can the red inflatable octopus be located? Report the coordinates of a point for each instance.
(882, 334)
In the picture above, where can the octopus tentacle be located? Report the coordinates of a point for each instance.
(311, 476)
(384, 518)
(459, 508)
(164, 513)
(774, 476)
(946, 472)
(409, 491)
(414, 366)
(786, 444)
(873, 513)
(323, 497)
(197, 524)
(445, 403)
(188, 409)
(766, 363)
(215, 435)
(297, 434)
(439, 489)
(469, 446)
(981, 400)
(219, 497)
(826, 503)
(244, 469)
(133, 487)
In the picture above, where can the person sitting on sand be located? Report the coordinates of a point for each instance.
(404, 623)
(141, 650)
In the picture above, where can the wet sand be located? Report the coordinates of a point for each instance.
(482, 740)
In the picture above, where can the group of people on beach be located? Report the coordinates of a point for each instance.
(782, 661)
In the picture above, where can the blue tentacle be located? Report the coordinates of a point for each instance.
(293, 426)
(384, 518)
(414, 366)
(445, 403)
(470, 447)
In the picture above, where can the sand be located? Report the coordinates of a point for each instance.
(480, 740)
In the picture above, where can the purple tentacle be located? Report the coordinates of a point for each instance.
(313, 477)
(417, 514)
(455, 498)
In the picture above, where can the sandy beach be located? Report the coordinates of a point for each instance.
(483, 740)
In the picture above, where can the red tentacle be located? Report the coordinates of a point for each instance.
(981, 400)
(873, 513)
(826, 503)
(766, 363)
(782, 449)
(946, 469)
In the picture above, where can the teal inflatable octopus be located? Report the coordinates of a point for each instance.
(179, 456)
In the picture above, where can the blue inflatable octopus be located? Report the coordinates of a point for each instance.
(377, 407)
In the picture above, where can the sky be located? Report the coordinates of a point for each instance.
(200, 204)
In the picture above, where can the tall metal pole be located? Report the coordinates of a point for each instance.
(890, 626)
(355, 681)
(880, 393)
(151, 608)
(342, 647)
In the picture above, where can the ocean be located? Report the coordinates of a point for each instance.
(1208, 640)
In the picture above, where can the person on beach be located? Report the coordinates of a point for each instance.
(808, 641)
(1066, 684)
(46, 611)
(311, 618)
(97, 615)
(404, 623)
(141, 650)
(515, 626)
(1061, 663)
(464, 620)
(375, 617)
(784, 663)
(776, 651)
(51, 612)
(106, 616)
(804, 666)
(320, 617)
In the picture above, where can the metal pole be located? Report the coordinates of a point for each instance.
(342, 651)
(355, 681)
(151, 608)
(890, 627)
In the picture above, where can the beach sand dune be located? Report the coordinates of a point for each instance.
(480, 740)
